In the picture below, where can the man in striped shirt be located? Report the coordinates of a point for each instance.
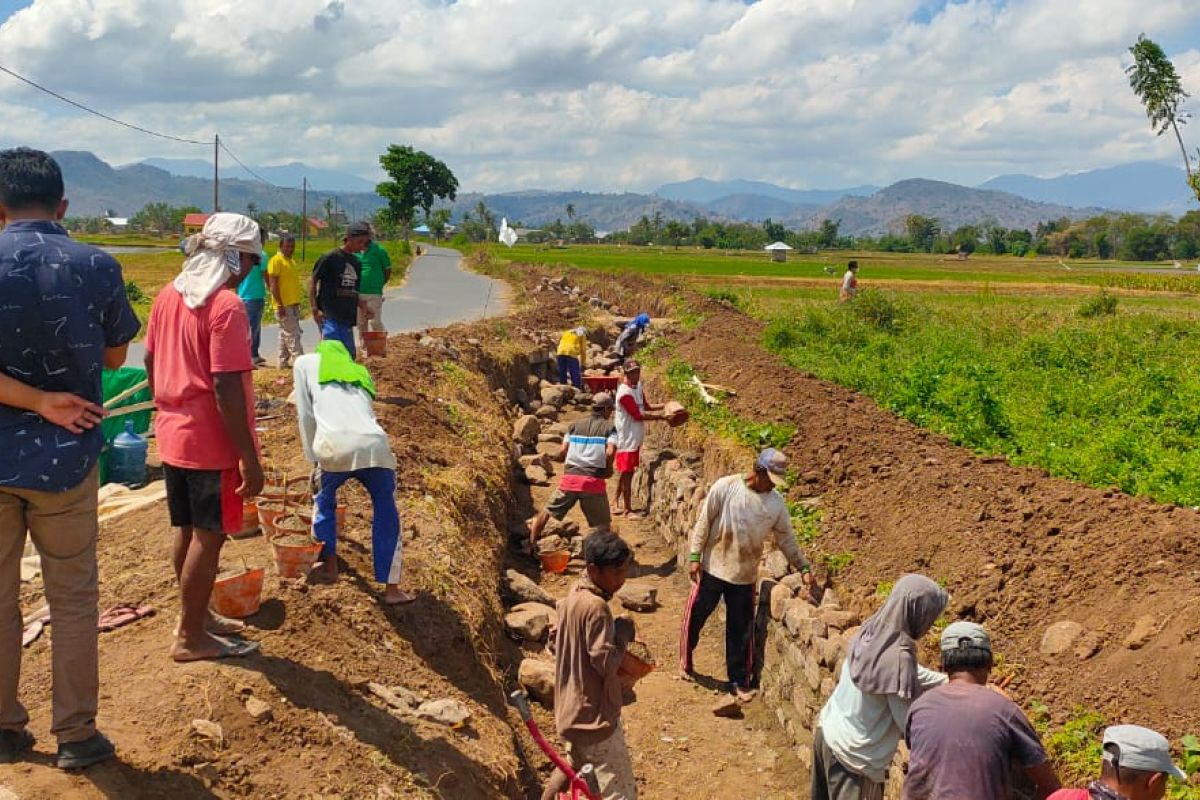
(588, 451)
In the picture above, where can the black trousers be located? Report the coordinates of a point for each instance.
(739, 624)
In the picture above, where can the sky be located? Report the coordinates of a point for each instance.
(622, 95)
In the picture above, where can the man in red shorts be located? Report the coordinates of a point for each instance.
(633, 411)
(199, 363)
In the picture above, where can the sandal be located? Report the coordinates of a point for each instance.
(230, 648)
(123, 614)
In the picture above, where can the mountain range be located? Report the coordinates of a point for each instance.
(95, 188)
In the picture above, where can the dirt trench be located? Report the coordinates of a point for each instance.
(1018, 550)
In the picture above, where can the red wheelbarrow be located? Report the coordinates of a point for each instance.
(582, 785)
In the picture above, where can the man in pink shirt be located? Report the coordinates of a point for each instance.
(199, 363)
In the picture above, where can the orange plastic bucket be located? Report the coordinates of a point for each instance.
(375, 342)
(268, 513)
(240, 594)
(294, 560)
(632, 669)
(555, 561)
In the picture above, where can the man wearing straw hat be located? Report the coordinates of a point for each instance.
(64, 316)
(199, 363)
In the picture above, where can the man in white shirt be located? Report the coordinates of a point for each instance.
(339, 433)
(633, 411)
(725, 547)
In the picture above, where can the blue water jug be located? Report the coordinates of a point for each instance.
(127, 458)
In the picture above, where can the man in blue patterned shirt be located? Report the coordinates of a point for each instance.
(64, 317)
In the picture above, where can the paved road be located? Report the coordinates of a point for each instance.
(438, 292)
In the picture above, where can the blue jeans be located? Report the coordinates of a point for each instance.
(380, 483)
(568, 371)
(332, 329)
(254, 310)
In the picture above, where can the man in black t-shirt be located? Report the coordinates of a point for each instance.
(333, 287)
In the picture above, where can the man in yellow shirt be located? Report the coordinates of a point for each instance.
(572, 355)
(284, 281)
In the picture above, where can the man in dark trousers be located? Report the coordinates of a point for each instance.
(726, 544)
(64, 317)
(333, 287)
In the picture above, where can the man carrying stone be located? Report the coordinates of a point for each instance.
(376, 272)
(1136, 766)
(64, 317)
(284, 281)
(333, 287)
(588, 451)
(726, 545)
(589, 646)
(964, 736)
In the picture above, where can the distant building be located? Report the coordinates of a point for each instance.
(193, 223)
(316, 227)
(119, 223)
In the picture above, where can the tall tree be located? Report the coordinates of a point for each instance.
(922, 231)
(571, 212)
(1154, 80)
(417, 181)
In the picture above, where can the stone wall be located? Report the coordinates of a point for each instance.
(801, 646)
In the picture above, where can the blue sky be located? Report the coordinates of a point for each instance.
(623, 95)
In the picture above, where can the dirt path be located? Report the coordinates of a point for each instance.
(680, 750)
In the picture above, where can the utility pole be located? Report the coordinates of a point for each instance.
(304, 219)
(216, 170)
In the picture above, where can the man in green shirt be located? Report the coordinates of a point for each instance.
(376, 271)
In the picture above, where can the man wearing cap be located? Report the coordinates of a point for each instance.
(726, 544)
(1135, 766)
(333, 287)
(572, 354)
(963, 736)
(633, 411)
(588, 452)
(284, 282)
(376, 272)
(628, 339)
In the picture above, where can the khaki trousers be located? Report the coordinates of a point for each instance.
(290, 345)
(63, 527)
(371, 317)
(614, 768)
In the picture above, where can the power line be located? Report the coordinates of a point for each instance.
(243, 166)
(100, 114)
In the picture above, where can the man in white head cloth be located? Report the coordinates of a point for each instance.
(199, 363)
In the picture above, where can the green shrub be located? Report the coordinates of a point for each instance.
(883, 310)
(1103, 304)
(725, 296)
(135, 293)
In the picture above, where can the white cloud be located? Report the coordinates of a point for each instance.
(620, 95)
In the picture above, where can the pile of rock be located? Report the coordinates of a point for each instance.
(563, 286)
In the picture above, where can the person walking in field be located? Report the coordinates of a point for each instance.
(860, 726)
(589, 645)
(572, 355)
(588, 452)
(849, 283)
(376, 272)
(283, 278)
(253, 293)
(333, 287)
(64, 316)
(1136, 765)
(627, 341)
(633, 412)
(965, 736)
(198, 361)
(339, 434)
(739, 513)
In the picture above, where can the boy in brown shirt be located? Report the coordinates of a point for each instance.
(589, 645)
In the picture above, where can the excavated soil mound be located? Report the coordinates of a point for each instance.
(1017, 549)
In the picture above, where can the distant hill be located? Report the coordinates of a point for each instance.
(94, 188)
(288, 175)
(1143, 186)
(604, 212)
(703, 191)
(951, 204)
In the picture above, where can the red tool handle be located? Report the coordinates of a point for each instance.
(583, 781)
